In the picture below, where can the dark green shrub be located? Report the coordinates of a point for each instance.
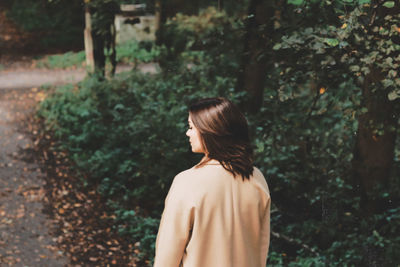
(68, 59)
(194, 39)
(137, 52)
(56, 23)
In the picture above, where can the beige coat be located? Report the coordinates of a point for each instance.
(214, 220)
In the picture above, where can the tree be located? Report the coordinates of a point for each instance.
(102, 15)
(377, 55)
(362, 43)
(354, 43)
(257, 40)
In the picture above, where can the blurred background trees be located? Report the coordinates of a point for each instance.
(320, 85)
(54, 23)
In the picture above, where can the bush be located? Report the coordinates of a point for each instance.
(128, 52)
(200, 40)
(66, 60)
(56, 22)
(133, 51)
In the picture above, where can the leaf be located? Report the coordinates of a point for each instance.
(332, 41)
(392, 74)
(354, 68)
(277, 46)
(295, 2)
(387, 82)
(119, 106)
(393, 96)
(388, 4)
(100, 247)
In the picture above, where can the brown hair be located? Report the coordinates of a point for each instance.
(224, 134)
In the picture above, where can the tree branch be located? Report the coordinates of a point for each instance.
(294, 241)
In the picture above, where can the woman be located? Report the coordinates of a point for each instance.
(217, 214)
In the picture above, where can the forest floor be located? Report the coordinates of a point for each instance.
(46, 218)
(25, 228)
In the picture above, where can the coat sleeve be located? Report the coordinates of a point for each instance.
(175, 226)
(265, 232)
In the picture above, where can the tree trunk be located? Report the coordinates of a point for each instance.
(88, 42)
(252, 75)
(113, 55)
(98, 54)
(160, 19)
(220, 5)
(102, 31)
(374, 148)
(377, 129)
(97, 45)
(158, 15)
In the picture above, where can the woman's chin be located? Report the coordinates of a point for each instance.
(194, 150)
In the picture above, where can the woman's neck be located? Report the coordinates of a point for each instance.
(207, 161)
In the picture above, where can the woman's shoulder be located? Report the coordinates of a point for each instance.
(210, 170)
(188, 184)
(260, 179)
(184, 176)
(197, 176)
(193, 172)
(257, 172)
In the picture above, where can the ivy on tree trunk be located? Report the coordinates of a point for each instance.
(103, 34)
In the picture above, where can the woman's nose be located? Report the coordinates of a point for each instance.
(187, 133)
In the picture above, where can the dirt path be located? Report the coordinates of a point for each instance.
(36, 77)
(25, 230)
(30, 77)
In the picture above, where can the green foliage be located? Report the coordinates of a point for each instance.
(102, 16)
(304, 140)
(330, 2)
(192, 39)
(56, 22)
(140, 228)
(128, 52)
(295, 2)
(375, 47)
(331, 58)
(352, 45)
(62, 61)
(133, 51)
(388, 4)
